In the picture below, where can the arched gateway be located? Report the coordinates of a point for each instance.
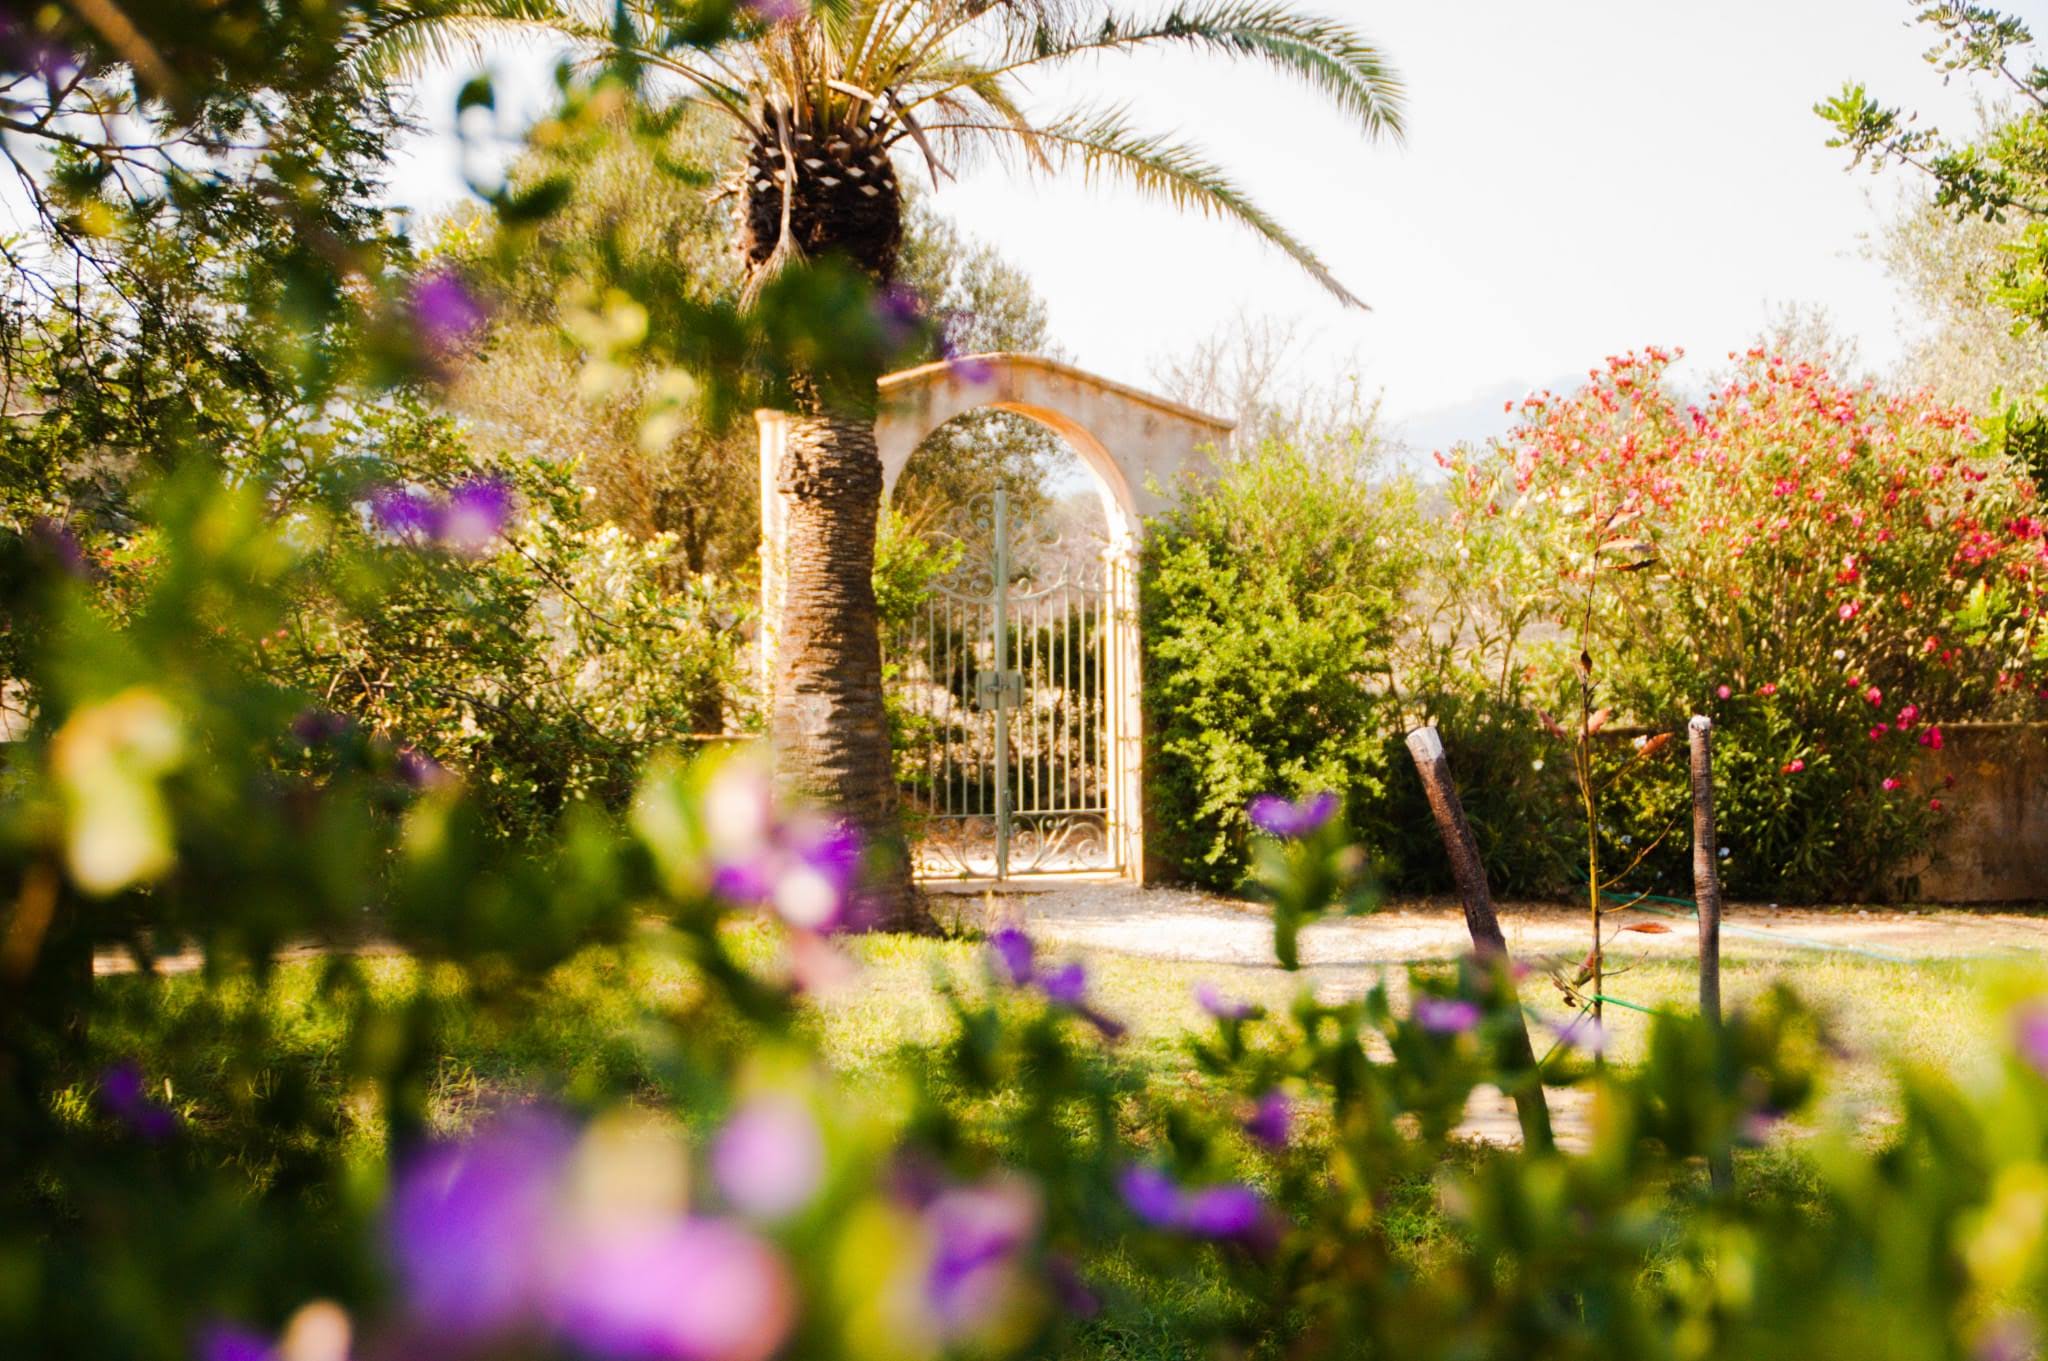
(1024, 677)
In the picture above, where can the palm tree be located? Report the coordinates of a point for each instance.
(828, 101)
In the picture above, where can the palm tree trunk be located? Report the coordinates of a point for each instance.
(826, 720)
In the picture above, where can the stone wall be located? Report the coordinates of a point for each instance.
(1995, 848)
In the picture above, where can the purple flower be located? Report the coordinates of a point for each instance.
(2011, 1337)
(1584, 1034)
(1067, 984)
(123, 1096)
(1011, 953)
(769, 1160)
(777, 11)
(1276, 816)
(405, 513)
(1211, 999)
(977, 1233)
(1069, 1289)
(814, 889)
(1231, 1210)
(317, 727)
(56, 542)
(477, 512)
(222, 1341)
(420, 770)
(673, 1290)
(971, 369)
(445, 310)
(805, 869)
(1151, 1195)
(1012, 960)
(2030, 1035)
(1446, 1015)
(1272, 1120)
(898, 312)
(471, 1224)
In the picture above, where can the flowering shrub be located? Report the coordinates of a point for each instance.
(1016, 1190)
(1835, 574)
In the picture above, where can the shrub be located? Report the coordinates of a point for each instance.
(1268, 601)
(1826, 562)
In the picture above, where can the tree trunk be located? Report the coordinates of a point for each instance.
(826, 721)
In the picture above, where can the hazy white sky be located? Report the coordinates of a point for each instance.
(1579, 177)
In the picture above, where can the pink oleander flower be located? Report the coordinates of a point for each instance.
(1792, 767)
(1890, 783)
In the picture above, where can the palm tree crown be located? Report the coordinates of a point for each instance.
(827, 95)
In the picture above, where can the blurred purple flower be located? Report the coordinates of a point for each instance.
(1012, 959)
(55, 541)
(1446, 1015)
(420, 770)
(477, 512)
(898, 313)
(2030, 1035)
(1227, 1211)
(1291, 821)
(445, 310)
(1583, 1033)
(2011, 1337)
(124, 1097)
(1211, 999)
(1151, 1195)
(405, 513)
(1272, 1120)
(471, 1224)
(1069, 1289)
(977, 1235)
(814, 888)
(777, 11)
(674, 1290)
(769, 1160)
(1067, 984)
(1011, 953)
(316, 727)
(223, 1341)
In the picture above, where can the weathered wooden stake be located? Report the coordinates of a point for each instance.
(1488, 944)
(1706, 890)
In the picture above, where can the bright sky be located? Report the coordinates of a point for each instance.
(1580, 177)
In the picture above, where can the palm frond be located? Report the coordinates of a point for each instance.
(407, 39)
(1106, 147)
(1324, 54)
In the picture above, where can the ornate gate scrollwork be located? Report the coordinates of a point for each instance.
(1003, 691)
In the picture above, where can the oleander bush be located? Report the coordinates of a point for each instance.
(1818, 563)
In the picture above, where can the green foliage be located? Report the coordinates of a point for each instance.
(1268, 602)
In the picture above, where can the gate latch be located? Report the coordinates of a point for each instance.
(1004, 688)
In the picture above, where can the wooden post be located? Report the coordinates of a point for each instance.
(1489, 946)
(1706, 889)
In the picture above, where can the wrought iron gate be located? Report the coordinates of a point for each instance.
(1003, 691)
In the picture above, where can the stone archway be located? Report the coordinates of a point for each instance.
(1140, 448)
